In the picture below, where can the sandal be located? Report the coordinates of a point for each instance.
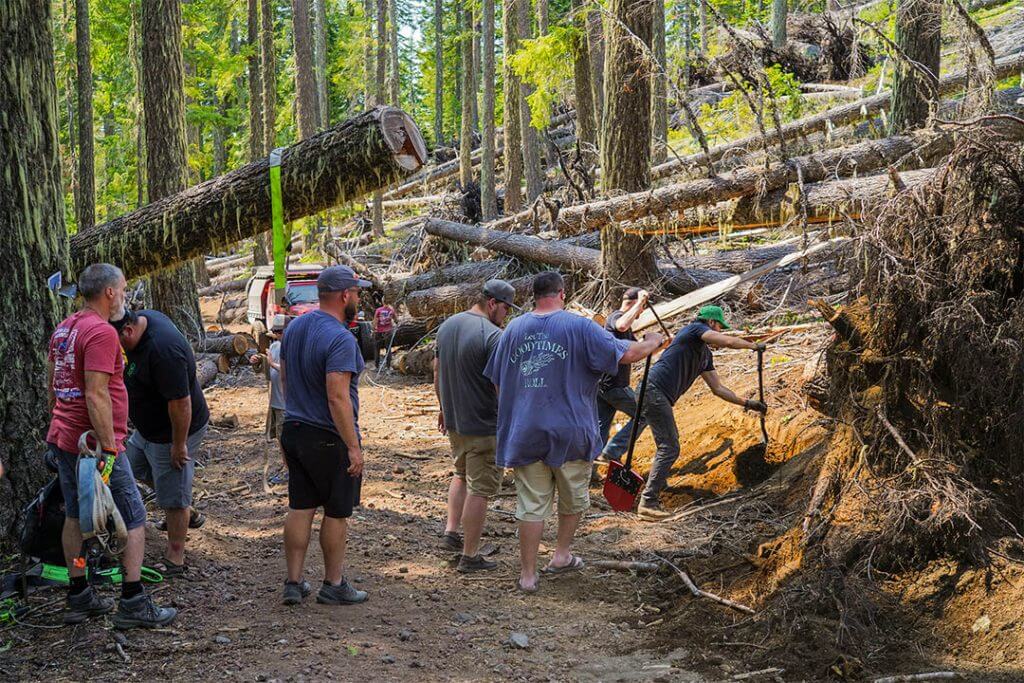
(575, 564)
(196, 519)
(169, 569)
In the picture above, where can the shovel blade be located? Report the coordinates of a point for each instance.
(622, 487)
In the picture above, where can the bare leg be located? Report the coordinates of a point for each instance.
(456, 503)
(566, 532)
(529, 544)
(71, 539)
(177, 527)
(473, 516)
(333, 537)
(298, 526)
(134, 549)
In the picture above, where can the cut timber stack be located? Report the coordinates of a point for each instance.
(221, 360)
(206, 372)
(230, 344)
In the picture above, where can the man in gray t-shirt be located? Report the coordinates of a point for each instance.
(469, 415)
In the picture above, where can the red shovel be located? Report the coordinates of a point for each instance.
(622, 485)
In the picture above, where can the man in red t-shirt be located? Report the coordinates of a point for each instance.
(87, 392)
(383, 327)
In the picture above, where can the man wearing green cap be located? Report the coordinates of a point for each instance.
(686, 357)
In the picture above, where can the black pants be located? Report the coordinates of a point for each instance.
(318, 470)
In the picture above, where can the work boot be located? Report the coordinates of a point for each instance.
(140, 611)
(468, 565)
(86, 604)
(652, 512)
(451, 540)
(342, 594)
(295, 591)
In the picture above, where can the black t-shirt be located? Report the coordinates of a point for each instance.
(683, 361)
(621, 378)
(159, 369)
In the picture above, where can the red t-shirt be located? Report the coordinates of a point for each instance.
(85, 341)
(383, 319)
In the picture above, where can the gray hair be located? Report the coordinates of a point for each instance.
(96, 278)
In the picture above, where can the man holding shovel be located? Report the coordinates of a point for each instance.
(687, 357)
(546, 368)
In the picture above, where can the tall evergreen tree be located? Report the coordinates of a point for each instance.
(269, 75)
(320, 61)
(394, 72)
(583, 89)
(780, 9)
(659, 93)
(305, 77)
(468, 95)
(86, 199)
(438, 71)
(919, 39)
(488, 199)
(513, 135)
(252, 40)
(531, 143)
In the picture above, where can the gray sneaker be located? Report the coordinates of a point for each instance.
(295, 592)
(140, 611)
(342, 594)
(468, 565)
(85, 605)
(451, 540)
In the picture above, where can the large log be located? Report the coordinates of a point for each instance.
(232, 345)
(448, 300)
(473, 272)
(552, 253)
(837, 116)
(224, 287)
(206, 372)
(410, 332)
(223, 265)
(332, 167)
(221, 360)
(845, 161)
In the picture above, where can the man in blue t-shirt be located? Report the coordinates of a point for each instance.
(546, 368)
(319, 371)
(686, 358)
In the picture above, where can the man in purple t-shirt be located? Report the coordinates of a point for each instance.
(546, 368)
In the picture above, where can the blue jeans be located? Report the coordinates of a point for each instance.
(609, 402)
(658, 414)
(122, 487)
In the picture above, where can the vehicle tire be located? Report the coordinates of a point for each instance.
(259, 333)
(367, 342)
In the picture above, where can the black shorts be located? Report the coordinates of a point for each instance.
(318, 470)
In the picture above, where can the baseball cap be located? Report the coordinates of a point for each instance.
(338, 279)
(713, 313)
(502, 291)
(631, 294)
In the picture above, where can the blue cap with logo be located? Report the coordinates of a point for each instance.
(338, 279)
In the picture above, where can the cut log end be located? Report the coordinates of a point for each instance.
(404, 138)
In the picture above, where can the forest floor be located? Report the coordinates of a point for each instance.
(424, 621)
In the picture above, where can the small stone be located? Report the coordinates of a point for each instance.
(405, 636)
(399, 469)
(119, 638)
(222, 640)
(283, 641)
(415, 664)
(463, 617)
(387, 659)
(982, 624)
(403, 570)
(519, 640)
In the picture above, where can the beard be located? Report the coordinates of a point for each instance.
(351, 309)
(118, 312)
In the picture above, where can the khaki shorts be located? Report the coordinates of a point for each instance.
(536, 484)
(475, 463)
(275, 422)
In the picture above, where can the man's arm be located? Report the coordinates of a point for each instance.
(723, 392)
(726, 341)
(638, 350)
(179, 411)
(100, 407)
(626, 320)
(437, 392)
(340, 403)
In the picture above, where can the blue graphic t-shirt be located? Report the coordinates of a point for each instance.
(547, 368)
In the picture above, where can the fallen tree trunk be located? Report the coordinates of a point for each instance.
(221, 360)
(471, 272)
(206, 372)
(552, 253)
(448, 300)
(224, 287)
(412, 201)
(410, 332)
(332, 167)
(837, 116)
(231, 345)
(245, 259)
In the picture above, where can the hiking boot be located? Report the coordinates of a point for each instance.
(468, 565)
(342, 594)
(451, 540)
(652, 512)
(85, 605)
(140, 611)
(294, 592)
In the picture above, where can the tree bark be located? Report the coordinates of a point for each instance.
(549, 252)
(837, 116)
(305, 75)
(269, 74)
(626, 140)
(595, 44)
(472, 271)
(163, 74)
(256, 137)
(32, 228)
(380, 64)
(586, 127)
(446, 300)
(530, 142)
(919, 39)
(512, 131)
(780, 9)
(468, 95)
(438, 72)
(659, 94)
(488, 191)
(230, 344)
(224, 287)
(394, 77)
(335, 166)
(86, 197)
(206, 372)
(320, 61)
(220, 360)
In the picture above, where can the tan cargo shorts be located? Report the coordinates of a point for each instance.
(536, 484)
(475, 463)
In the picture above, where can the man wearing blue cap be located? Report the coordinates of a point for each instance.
(675, 372)
(319, 371)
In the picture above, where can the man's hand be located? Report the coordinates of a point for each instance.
(355, 459)
(179, 455)
(663, 341)
(441, 427)
(255, 359)
(760, 346)
(643, 296)
(755, 405)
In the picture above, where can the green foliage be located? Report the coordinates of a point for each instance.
(546, 63)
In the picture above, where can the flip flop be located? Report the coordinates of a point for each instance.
(169, 569)
(575, 564)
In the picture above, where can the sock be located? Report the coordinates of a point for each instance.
(130, 589)
(77, 584)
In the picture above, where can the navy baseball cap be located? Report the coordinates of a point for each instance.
(338, 279)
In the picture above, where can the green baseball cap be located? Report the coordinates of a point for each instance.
(713, 313)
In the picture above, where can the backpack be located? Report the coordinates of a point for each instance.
(42, 525)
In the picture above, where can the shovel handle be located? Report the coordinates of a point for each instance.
(636, 418)
(760, 391)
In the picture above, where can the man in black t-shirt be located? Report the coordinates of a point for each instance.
(686, 358)
(167, 407)
(613, 393)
